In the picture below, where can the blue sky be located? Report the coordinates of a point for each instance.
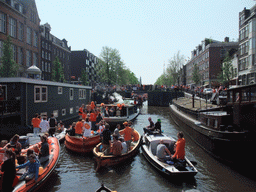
(147, 33)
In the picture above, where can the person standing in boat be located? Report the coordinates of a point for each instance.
(93, 117)
(127, 133)
(117, 129)
(9, 171)
(180, 148)
(36, 124)
(87, 128)
(81, 109)
(79, 127)
(106, 139)
(162, 151)
(44, 125)
(52, 122)
(150, 128)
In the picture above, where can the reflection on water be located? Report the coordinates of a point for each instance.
(76, 172)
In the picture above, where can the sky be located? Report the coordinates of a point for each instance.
(147, 33)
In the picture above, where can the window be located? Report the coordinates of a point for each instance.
(60, 90)
(42, 65)
(20, 56)
(20, 31)
(35, 39)
(56, 113)
(14, 49)
(71, 110)
(49, 67)
(77, 109)
(40, 94)
(63, 112)
(71, 93)
(29, 40)
(35, 59)
(1, 50)
(82, 94)
(28, 59)
(2, 22)
(12, 27)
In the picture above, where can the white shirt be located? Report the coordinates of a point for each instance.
(124, 150)
(101, 128)
(87, 129)
(44, 125)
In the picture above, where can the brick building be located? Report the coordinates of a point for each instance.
(19, 19)
(208, 56)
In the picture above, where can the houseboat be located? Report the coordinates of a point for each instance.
(23, 97)
(226, 133)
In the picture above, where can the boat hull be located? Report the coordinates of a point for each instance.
(54, 149)
(222, 145)
(102, 160)
(168, 170)
(81, 144)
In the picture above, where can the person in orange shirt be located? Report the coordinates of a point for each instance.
(84, 115)
(180, 148)
(93, 118)
(79, 127)
(127, 133)
(81, 109)
(92, 105)
(36, 124)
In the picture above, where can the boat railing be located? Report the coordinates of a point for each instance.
(9, 106)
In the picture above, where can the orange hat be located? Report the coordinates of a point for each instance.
(102, 104)
(125, 123)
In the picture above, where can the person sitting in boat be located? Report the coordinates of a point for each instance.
(124, 150)
(112, 111)
(33, 169)
(44, 150)
(9, 171)
(98, 119)
(117, 129)
(106, 139)
(150, 128)
(162, 151)
(106, 112)
(127, 133)
(87, 128)
(71, 131)
(116, 146)
(158, 126)
(101, 127)
(29, 152)
(60, 127)
(79, 127)
(180, 148)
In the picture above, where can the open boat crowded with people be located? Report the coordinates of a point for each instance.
(149, 147)
(45, 170)
(102, 160)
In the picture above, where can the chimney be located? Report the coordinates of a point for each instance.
(226, 39)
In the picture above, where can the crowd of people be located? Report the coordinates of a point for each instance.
(35, 158)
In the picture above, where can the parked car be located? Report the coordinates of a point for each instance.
(207, 90)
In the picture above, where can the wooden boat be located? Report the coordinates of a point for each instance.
(44, 173)
(103, 189)
(81, 144)
(149, 146)
(102, 160)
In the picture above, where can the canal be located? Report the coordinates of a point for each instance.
(76, 172)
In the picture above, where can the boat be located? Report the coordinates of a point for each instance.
(149, 145)
(222, 132)
(80, 144)
(103, 188)
(44, 172)
(129, 112)
(102, 160)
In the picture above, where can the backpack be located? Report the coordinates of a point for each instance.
(52, 122)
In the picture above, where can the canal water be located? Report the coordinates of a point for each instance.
(76, 172)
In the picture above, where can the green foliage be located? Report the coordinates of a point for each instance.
(9, 67)
(226, 73)
(84, 77)
(112, 69)
(196, 77)
(57, 71)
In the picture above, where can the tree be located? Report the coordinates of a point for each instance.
(9, 67)
(226, 70)
(84, 77)
(196, 77)
(57, 71)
